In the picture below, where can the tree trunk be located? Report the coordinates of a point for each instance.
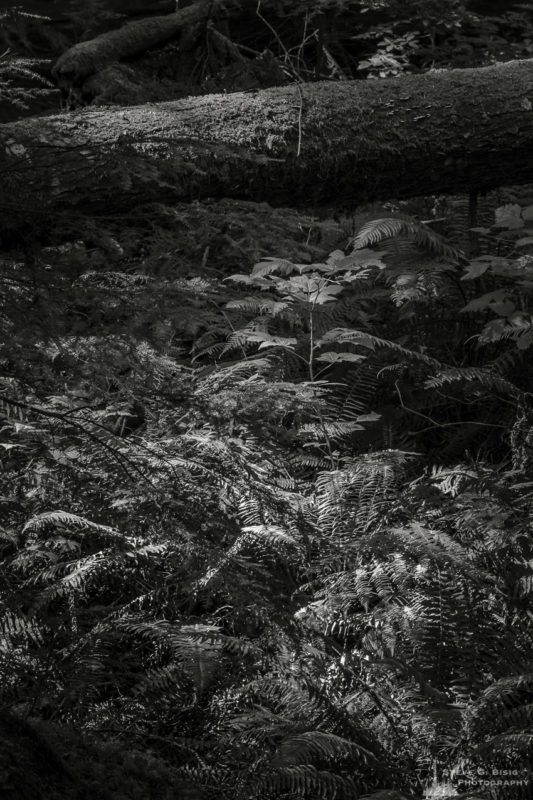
(342, 143)
(86, 58)
(134, 38)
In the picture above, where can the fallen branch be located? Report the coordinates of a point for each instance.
(134, 38)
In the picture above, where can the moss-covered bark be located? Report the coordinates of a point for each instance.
(344, 143)
(86, 58)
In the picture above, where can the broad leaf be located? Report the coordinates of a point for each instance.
(509, 216)
(497, 301)
(267, 340)
(335, 358)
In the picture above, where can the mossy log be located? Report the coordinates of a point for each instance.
(86, 58)
(134, 38)
(302, 145)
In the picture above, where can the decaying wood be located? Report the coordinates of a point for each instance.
(86, 58)
(134, 38)
(330, 142)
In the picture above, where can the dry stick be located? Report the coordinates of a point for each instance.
(300, 114)
(302, 43)
(54, 415)
(96, 424)
(276, 35)
(291, 70)
(148, 449)
(312, 379)
(436, 424)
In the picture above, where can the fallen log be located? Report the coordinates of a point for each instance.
(136, 37)
(337, 143)
(93, 55)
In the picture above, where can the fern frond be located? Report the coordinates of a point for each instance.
(17, 627)
(8, 539)
(450, 480)
(423, 542)
(115, 280)
(307, 781)
(301, 748)
(161, 682)
(280, 265)
(364, 339)
(488, 380)
(263, 538)
(270, 535)
(376, 230)
(66, 520)
(259, 305)
(78, 575)
(334, 430)
(358, 494)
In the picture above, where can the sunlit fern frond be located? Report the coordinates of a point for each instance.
(451, 479)
(359, 494)
(258, 539)
(365, 586)
(10, 409)
(251, 510)
(367, 340)
(75, 577)
(16, 628)
(95, 574)
(64, 520)
(280, 265)
(422, 542)
(486, 379)
(229, 375)
(377, 230)
(115, 280)
(241, 339)
(316, 432)
(262, 306)
(304, 460)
